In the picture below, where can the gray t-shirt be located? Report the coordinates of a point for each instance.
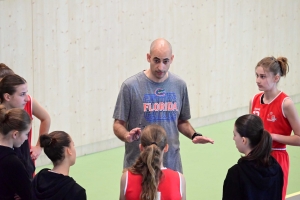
(142, 101)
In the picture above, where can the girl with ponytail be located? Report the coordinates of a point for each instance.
(257, 175)
(55, 183)
(147, 178)
(14, 179)
(277, 110)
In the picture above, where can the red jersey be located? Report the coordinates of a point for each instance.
(169, 185)
(28, 109)
(272, 115)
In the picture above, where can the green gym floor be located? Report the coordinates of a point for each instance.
(204, 166)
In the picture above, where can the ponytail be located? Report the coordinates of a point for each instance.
(148, 165)
(275, 66)
(153, 140)
(262, 151)
(284, 67)
(251, 126)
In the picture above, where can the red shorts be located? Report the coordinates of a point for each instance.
(282, 158)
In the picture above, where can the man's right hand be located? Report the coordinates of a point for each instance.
(133, 135)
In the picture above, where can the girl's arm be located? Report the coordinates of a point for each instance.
(291, 114)
(122, 186)
(39, 112)
(250, 107)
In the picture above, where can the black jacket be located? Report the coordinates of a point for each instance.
(23, 153)
(14, 178)
(52, 186)
(247, 181)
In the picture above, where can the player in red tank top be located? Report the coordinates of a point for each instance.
(169, 185)
(147, 178)
(277, 111)
(13, 94)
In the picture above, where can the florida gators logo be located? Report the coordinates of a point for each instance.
(160, 92)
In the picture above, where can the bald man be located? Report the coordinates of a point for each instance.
(155, 96)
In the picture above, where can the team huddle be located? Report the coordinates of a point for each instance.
(151, 109)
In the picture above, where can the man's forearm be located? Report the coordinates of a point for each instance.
(185, 128)
(119, 130)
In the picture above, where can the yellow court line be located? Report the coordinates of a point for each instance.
(291, 195)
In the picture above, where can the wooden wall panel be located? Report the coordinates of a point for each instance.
(80, 52)
(16, 37)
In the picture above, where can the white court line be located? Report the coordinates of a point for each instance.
(291, 195)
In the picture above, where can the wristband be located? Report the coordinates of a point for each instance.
(196, 134)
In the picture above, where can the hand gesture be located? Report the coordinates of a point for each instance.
(133, 135)
(202, 140)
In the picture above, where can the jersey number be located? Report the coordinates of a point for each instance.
(255, 112)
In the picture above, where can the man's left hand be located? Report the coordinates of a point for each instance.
(202, 140)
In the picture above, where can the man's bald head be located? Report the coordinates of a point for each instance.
(160, 59)
(160, 43)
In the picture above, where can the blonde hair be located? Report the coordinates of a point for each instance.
(154, 140)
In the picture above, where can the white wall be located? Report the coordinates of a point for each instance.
(76, 54)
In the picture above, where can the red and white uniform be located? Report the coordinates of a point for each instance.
(28, 109)
(275, 122)
(169, 185)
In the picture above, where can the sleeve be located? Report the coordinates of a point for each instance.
(19, 179)
(185, 113)
(231, 186)
(122, 108)
(81, 195)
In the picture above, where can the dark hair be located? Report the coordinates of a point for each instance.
(8, 85)
(5, 70)
(54, 144)
(251, 127)
(13, 119)
(154, 140)
(276, 66)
